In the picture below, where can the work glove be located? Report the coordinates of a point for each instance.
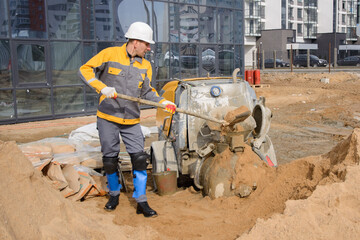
(170, 107)
(109, 92)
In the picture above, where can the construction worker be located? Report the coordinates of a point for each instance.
(124, 70)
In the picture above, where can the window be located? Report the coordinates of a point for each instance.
(299, 28)
(63, 19)
(20, 16)
(66, 60)
(299, 13)
(291, 13)
(207, 24)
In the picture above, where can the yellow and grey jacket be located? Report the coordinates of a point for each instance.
(112, 67)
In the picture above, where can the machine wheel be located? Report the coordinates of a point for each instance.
(315, 65)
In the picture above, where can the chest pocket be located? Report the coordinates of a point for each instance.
(114, 71)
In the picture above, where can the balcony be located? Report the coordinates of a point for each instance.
(310, 31)
(252, 14)
(252, 32)
(310, 4)
(351, 34)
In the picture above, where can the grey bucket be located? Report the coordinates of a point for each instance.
(166, 182)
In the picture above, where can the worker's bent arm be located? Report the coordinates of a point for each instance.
(87, 71)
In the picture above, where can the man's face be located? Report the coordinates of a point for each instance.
(141, 48)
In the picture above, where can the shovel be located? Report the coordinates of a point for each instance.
(180, 110)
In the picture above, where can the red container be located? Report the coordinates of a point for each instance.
(249, 76)
(257, 77)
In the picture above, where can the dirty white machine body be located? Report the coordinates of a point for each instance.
(186, 142)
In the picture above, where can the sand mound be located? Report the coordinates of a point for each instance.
(310, 198)
(334, 77)
(332, 211)
(31, 209)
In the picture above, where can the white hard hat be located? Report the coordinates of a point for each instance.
(140, 31)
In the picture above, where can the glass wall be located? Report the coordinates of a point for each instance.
(43, 44)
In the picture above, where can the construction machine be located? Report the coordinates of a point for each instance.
(187, 143)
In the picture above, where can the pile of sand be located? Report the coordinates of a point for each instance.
(311, 198)
(31, 209)
(332, 211)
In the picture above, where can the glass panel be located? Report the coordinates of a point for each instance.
(238, 28)
(225, 30)
(207, 24)
(103, 45)
(133, 11)
(5, 64)
(89, 51)
(189, 1)
(239, 59)
(189, 60)
(226, 60)
(31, 63)
(225, 3)
(68, 100)
(239, 4)
(28, 19)
(87, 17)
(4, 20)
(208, 2)
(92, 99)
(6, 105)
(162, 61)
(161, 28)
(174, 60)
(33, 102)
(174, 22)
(189, 23)
(66, 61)
(208, 60)
(104, 19)
(64, 19)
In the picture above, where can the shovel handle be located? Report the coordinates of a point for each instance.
(159, 105)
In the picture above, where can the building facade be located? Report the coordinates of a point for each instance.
(313, 22)
(254, 20)
(343, 18)
(43, 43)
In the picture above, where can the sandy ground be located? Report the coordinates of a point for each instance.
(313, 194)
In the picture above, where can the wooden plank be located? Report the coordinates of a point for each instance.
(260, 86)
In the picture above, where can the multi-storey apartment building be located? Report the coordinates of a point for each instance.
(254, 20)
(300, 16)
(339, 16)
(313, 22)
(341, 22)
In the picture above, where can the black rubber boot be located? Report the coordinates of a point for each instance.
(112, 203)
(144, 208)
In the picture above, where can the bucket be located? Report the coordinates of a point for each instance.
(166, 182)
(257, 77)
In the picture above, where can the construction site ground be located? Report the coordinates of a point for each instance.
(313, 194)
